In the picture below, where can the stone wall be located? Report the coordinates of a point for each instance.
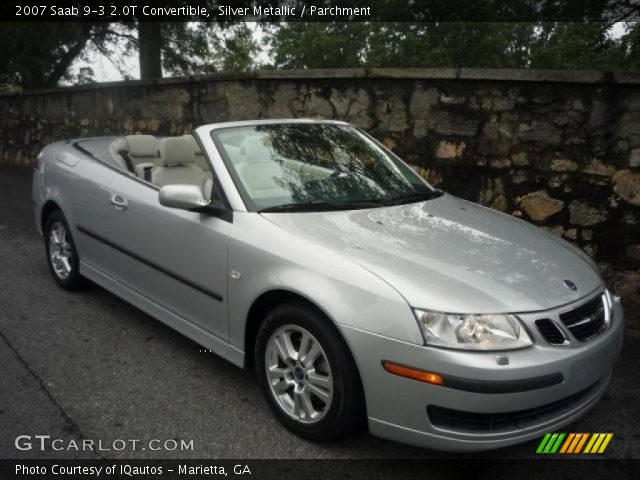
(558, 148)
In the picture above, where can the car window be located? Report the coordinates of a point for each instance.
(303, 163)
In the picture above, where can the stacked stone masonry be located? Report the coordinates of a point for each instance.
(559, 149)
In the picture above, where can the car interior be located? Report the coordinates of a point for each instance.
(266, 174)
(179, 160)
(164, 161)
(268, 177)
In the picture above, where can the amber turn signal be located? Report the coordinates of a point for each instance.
(420, 375)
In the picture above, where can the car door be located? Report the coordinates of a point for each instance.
(175, 258)
(87, 186)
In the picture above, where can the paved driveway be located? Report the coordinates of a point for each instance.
(88, 365)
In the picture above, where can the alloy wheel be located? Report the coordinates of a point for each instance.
(60, 253)
(299, 374)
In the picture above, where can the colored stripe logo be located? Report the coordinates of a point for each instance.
(574, 443)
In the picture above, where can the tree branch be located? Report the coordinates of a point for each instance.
(122, 35)
(108, 55)
(67, 59)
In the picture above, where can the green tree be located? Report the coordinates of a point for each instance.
(629, 47)
(84, 76)
(206, 48)
(575, 45)
(449, 44)
(240, 48)
(318, 45)
(454, 44)
(39, 55)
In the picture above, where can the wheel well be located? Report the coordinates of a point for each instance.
(267, 302)
(259, 310)
(47, 210)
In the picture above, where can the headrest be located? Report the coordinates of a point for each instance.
(141, 145)
(175, 151)
(117, 146)
(254, 149)
(196, 148)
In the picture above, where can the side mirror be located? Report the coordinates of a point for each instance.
(183, 197)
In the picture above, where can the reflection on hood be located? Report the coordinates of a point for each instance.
(450, 255)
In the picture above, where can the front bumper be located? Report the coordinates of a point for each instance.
(397, 406)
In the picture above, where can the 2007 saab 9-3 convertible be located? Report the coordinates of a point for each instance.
(359, 293)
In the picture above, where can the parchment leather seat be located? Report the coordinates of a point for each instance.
(176, 164)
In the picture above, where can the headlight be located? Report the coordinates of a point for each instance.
(472, 331)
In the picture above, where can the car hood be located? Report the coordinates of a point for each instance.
(451, 255)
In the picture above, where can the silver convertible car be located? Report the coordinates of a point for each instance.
(360, 294)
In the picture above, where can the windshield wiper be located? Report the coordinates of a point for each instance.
(318, 206)
(412, 197)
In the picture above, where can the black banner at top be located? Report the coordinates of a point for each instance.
(323, 10)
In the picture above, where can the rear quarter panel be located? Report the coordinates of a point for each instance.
(48, 179)
(76, 183)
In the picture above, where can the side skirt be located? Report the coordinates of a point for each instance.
(198, 335)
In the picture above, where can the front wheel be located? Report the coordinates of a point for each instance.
(307, 374)
(61, 252)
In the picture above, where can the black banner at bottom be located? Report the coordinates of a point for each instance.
(459, 467)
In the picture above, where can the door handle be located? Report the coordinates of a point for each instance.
(118, 202)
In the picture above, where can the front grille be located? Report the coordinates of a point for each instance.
(586, 321)
(550, 331)
(449, 419)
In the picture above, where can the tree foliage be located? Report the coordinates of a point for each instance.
(193, 48)
(40, 55)
(630, 48)
(318, 45)
(496, 45)
(455, 44)
(37, 55)
(576, 46)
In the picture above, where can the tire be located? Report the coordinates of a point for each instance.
(62, 255)
(298, 391)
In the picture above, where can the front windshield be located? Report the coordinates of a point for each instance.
(302, 164)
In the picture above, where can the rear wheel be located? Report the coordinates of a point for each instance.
(61, 252)
(307, 374)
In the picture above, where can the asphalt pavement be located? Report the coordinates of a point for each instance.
(87, 365)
